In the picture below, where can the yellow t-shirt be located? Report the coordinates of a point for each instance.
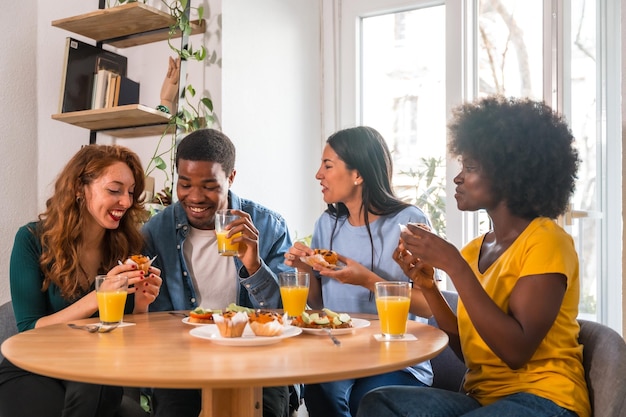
(555, 371)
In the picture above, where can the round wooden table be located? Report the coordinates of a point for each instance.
(158, 351)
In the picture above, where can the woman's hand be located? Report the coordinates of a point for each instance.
(145, 286)
(353, 273)
(422, 274)
(298, 250)
(429, 248)
(146, 289)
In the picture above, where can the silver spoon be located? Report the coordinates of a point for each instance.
(332, 337)
(94, 328)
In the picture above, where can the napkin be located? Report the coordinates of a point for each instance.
(408, 337)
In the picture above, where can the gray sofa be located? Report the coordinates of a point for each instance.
(604, 359)
(8, 327)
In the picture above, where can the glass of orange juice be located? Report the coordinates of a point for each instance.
(111, 292)
(294, 290)
(393, 299)
(225, 245)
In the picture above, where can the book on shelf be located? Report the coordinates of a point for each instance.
(79, 81)
(110, 100)
(106, 89)
(100, 84)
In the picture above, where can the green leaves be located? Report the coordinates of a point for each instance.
(427, 191)
(192, 114)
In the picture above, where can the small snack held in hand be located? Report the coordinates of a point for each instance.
(328, 255)
(324, 257)
(143, 262)
(325, 319)
(230, 323)
(266, 323)
(202, 315)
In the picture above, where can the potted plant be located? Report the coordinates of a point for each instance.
(191, 113)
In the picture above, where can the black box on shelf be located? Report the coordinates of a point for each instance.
(129, 92)
(82, 62)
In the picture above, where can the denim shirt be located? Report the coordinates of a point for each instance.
(165, 235)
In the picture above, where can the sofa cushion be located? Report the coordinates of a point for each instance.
(8, 327)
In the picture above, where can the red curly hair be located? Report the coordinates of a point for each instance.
(63, 220)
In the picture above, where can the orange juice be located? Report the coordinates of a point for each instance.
(111, 305)
(225, 246)
(294, 299)
(393, 312)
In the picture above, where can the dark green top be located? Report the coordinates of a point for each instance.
(26, 278)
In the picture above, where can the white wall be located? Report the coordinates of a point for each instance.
(271, 104)
(267, 96)
(18, 136)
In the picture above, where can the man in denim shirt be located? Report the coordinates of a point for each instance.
(183, 238)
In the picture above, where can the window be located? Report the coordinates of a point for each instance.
(405, 63)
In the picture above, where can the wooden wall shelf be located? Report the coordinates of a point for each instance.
(129, 121)
(124, 26)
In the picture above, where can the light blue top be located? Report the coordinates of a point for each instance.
(354, 242)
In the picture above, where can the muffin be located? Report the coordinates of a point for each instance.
(266, 323)
(328, 255)
(143, 262)
(230, 323)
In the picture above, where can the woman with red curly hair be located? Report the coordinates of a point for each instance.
(90, 223)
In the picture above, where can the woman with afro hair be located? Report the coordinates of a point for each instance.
(518, 284)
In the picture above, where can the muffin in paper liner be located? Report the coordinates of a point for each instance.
(143, 262)
(231, 324)
(266, 322)
(272, 328)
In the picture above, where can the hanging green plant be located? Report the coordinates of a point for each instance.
(191, 114)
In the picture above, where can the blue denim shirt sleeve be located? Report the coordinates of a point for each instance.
(166, 232)
(261, 288)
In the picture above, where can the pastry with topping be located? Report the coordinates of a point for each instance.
(230, 323)
(266, 323)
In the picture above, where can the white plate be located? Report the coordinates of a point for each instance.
(356, 324)
(186, 321)
(212, 333)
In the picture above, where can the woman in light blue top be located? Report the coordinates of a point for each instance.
(361, 225)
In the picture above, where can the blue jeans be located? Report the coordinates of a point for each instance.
(341, 398)
(434, 402)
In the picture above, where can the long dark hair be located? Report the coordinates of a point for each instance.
(364, 149)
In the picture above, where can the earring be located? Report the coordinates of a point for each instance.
(78, 199)
(356, 183)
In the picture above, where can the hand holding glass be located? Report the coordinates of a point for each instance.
(294, 290)
(393, 299)
(111, 292)
(225, 246)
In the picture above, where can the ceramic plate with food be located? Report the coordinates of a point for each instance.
(191, 323)
(248, 338)
(356, 324)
